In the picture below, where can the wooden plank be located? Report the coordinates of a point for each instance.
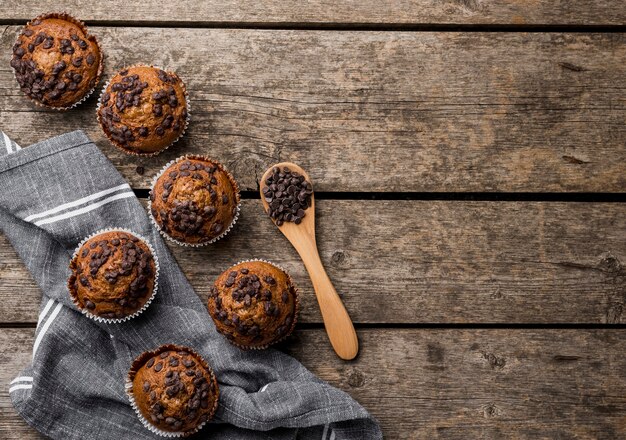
(269, 12)
(449, 383)
(377, 111)
(424, 261)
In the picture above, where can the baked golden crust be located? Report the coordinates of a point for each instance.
(56, 62)
(174, 388)
(113, 275)
(194, 200)
(143, 110)
(254, 304)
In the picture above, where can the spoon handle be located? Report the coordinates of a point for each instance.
(338, 324)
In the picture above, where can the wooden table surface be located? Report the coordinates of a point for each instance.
(469, 159)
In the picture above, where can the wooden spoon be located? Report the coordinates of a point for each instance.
(336, 319)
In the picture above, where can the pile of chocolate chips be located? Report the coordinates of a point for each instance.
(288, 195)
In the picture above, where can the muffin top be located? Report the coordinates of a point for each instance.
(174, 388)
(56, 62)
(113, 275)
(143, 110)
(254, 304)
(194, 200)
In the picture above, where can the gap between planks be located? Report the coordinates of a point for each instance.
(349, 27)
(581, 197)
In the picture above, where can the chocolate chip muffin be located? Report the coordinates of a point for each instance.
(194, 201)
(173, 390)
(254, 304)
(56, 62)
(113, 276)
(143, 110)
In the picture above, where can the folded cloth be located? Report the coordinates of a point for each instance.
(61, 190)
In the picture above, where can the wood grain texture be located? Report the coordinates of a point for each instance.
(423, 262)
(376, 111)
(448, 384)
(331, 12)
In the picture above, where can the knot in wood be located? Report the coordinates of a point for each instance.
(356, 379)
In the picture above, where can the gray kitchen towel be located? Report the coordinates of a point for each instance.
(54, 194)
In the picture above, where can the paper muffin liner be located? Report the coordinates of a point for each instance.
(133, 153)
(97, 318)
(140, 361)
(221, 167)
(68, 17)
(296, 311)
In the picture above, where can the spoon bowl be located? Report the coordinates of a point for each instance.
(338, 324)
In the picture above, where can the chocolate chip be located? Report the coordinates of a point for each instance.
(58, 67)
(158, 367)
(77, 62)
(83, 45)
(150, 363)
(285, 296)
(146, 386)
(89, 305)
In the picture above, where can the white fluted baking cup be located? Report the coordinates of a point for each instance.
(295, 312)
(133, 153)
(97, 318)
(221, 167)
(139, 362)
(68, 17)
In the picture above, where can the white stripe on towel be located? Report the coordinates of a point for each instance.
(7, 142)
(78, 202)
(44, 312)
(20, 387)
(332, 435)
(325, 432)
(45, 327)
(21, 379)
(85, 209)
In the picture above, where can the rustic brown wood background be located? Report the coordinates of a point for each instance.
(470, 163)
